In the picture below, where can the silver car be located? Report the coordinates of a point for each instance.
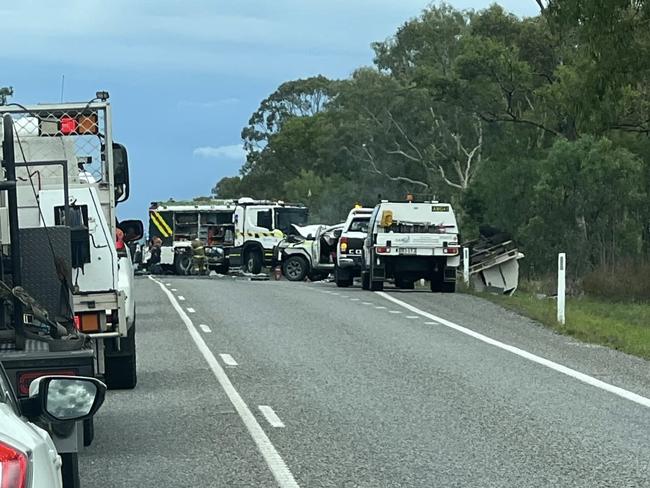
(28, 458)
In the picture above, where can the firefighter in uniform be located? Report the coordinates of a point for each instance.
(198, 257)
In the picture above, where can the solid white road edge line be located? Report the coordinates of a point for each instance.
(205, 328)
(228, 360)
(585, 378)
(276, 464)
(271, 416)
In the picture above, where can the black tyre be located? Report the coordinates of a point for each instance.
(342, 278)
(449, 287)
(317, 276)
(121, 370)
(182, 264)
(253, 262)
(222, 269)
(405, 284)
(89, 431)
(70, 470)
(376, 285)
(365, 280)
(295, 268)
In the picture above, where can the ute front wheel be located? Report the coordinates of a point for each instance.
(295, 268)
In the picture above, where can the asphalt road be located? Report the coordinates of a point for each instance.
(433, 391)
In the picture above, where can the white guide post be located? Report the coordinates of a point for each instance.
(561, 287)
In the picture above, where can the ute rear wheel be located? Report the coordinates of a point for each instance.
(342, 278)
(365, 280)
(405, 284)
(295, 268)
(121, 371)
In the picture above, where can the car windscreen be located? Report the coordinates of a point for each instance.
(359, 225)
(286, 217)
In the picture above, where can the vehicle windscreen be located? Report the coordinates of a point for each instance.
(286, 217)
(359, 225)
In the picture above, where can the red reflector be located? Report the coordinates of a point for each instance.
(77, 322)
(13, 467)
(25, 379)
(450, 250)
(68, 125)
(382, 250)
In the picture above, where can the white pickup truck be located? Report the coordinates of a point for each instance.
(408, 241)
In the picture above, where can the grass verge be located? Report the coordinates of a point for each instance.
(621, 326)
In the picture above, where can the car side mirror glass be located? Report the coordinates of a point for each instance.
(133, 230)
(68, 398)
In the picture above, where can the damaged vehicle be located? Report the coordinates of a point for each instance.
(310, 253)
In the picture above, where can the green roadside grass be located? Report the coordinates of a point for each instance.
(621, 326)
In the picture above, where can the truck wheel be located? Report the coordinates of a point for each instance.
(253, 262)
(182, 264)
(295, 268)
(70, 470)
(121, 371)
(365, 280)
(89, 431)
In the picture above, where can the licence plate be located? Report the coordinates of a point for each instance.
(408, 250)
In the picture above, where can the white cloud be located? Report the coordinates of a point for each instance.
(233, 152)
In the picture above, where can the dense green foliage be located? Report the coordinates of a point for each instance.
(538, 125)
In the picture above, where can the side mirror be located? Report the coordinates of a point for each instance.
(121, 172)
(337, 233)
(67, 398)
(133, 230)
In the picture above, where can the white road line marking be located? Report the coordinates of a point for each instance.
(432, 323)
(394, 311)
(228, 360)
(271, 416)
(585, 378)
(345, 296)
(205, 328)
(181, 298)
(174, 289)
(276, 464)
(191, 310)
(380, 308)
(412, 317)
(334, 293)
(354, 299)
(168, 284)
(366, 303)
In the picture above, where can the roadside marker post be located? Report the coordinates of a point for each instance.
(466, 265)
(561, 288)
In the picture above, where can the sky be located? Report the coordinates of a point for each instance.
(185, 76)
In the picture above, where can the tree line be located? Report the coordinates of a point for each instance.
(538, 126)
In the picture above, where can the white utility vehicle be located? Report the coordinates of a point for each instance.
(409, 241)
(349, 251)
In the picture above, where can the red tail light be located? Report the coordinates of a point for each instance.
(382, 250)
(26, 378)
(450, 250)
(13, 467)
(68, 125)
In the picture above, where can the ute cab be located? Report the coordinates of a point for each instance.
(349, 251)
(408, 241)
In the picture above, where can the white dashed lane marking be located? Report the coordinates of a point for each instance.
(191, 310)
(205, 328)
(228, 360)
(271, 416)
(181, 298)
